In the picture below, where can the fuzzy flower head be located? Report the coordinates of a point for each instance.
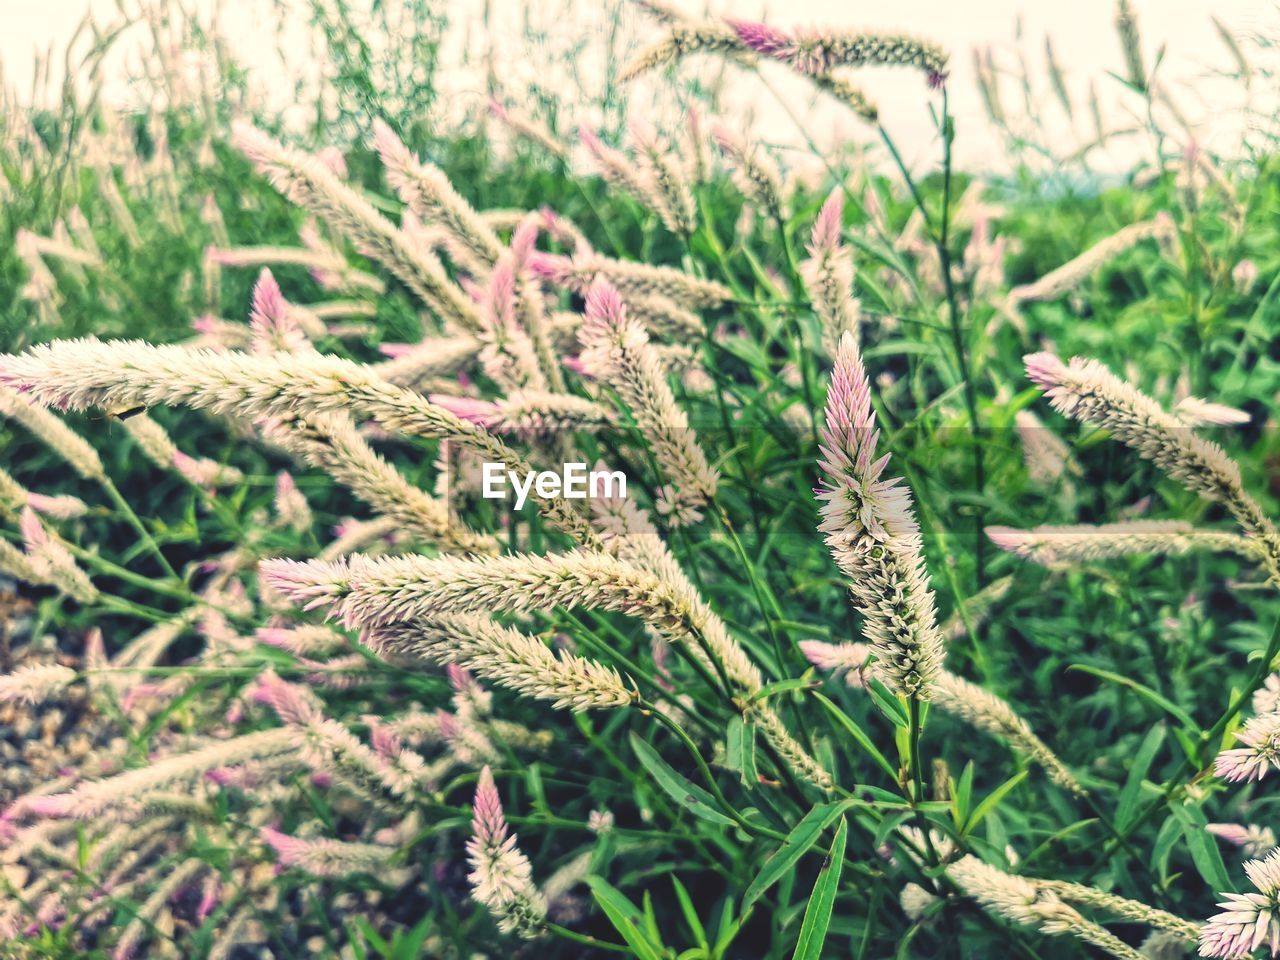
(1249, 920)
(857, 503)
(1262, 751)
(274, 328)
(501, 878)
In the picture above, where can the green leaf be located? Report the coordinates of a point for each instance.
(802, 836)
(1126, 807)
(1164, 703)
(688, 795)
(690, 914)
(817, 915)
(740, 750)
(990, 801)
(889, 704)
(858, 735)
(623, 914)
(1203, 847)
(782, 686)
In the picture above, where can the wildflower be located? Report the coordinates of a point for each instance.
(291, 505)
(1254, 841)
(1131, 45)
(754, 172)
(817, 53)
(331, 443)
(529, 413)
(81, 373)
(1244, 275)
(915, 900)
(828, 276)
(1045, 454)
(427, 192)
(1086, 390)
(679, 210)
(144, 918)
(617, 349)
(873, 536)
(274, 326)
(684, 38)
(1261, 735)
(954, 695)
(35, 684)
(54, 563)
(1078, 543)
(629, 279)
(52, 432)
(327, 858)
(310, 184)
(154, 441)
(501, 877)
(1249, 920)
(1266, 699)
(529, 129)
(1195, 412)
(505, 656)
(433, 357)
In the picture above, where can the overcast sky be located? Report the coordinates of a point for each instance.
(1082, 32)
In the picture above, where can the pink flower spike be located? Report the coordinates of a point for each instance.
(763, 38)
(394, 350)
(286, 699)
(1045, 369)
(483, 413)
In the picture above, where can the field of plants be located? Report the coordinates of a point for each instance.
(938, 616)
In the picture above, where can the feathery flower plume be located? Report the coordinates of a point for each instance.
(872, 533)
(433, 357)
(529, 414)
(954, 695)
(1255, 760)
(828, 276)
(684, 38)
(619, 170)
(1080, 543)
(1254, 841)
(509, 355)
(327, 267)
(1195, 412)
(53, 433)
(50, 558)
(36, 683)
(1021, 901)
(331, 443)
(817, 53)
(1266, 699)
(427, 192)
(616, 349)
(1249, 920)
(1131, 45)
(679, 210)
(147, 912)
(310, 184)
(851, 96)
(91, 800)
(83, 373)
(754, 172)
(273, 323)
(327, 858)
(1066, 277)
(507, 657)
(630, 279)
(14, 496)
(1085, 390)
(291, 505)
(1045, 454)
(154, 441)
(528, 128)
(501, 877)
(1134, 910)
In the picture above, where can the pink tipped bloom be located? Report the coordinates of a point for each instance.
(483, 413)
(394, 350)
(288, 700)
(291, 505)
(764, 39)
(501, 877)
(1045, 369)
(1249, 920)
(313, 584)
(210, 896)
(1262, 751)
(60, 507)
(271, 319)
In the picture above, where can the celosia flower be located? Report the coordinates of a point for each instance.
(1078, 543)
(828, 276)
(617, 350)
(684, 38)
(35, 684)
(327, 858)
(817, 53)
(873, 536)
(1086, 390)
(1254, 841)
(1249, 920)
(629, 278)
(529, 129)
(1254, 761)
(271, 319)
(1244, 275)
(662, 168)
(1197, 413)
(51, 559)
(1266, 699)
(501, 877)
(291, 505)
(1066, 277)
(754, 172)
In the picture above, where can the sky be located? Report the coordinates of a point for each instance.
(1082, 31)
